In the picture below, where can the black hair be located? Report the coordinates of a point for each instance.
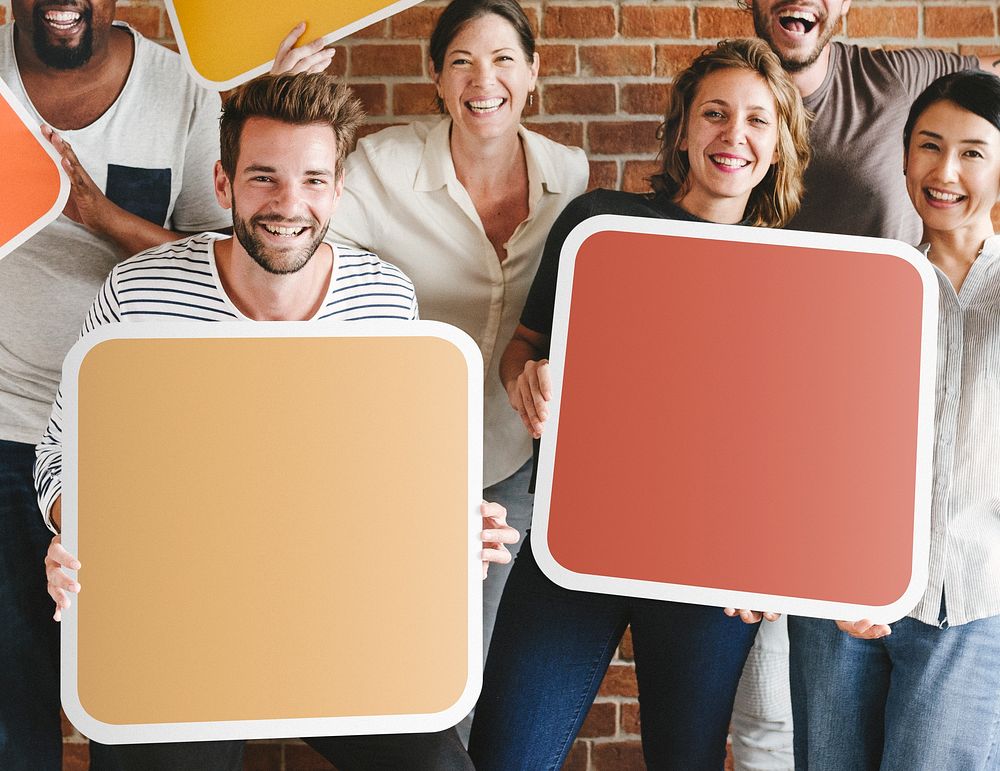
(459, 12)
(973, 90)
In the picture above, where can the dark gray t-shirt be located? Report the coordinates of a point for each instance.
(854, 183)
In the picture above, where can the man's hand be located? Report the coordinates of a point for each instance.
(59, 583)
(529, 395)
(312, 57)
(496, 533)
(864, 629)
(751, 616)
(87, 204)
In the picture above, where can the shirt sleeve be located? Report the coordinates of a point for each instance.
(538, 308)
(919, 67)
(196, 208)
(49, 452)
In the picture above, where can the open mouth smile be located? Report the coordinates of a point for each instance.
(942, 197)
(282, 231)
(62, 21)
(797, 22)
(485, 106)
(729, 162)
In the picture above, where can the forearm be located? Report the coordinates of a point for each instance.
(519, 351)
(131, 233)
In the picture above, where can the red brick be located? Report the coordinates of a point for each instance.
(338, 66)
(259, 756)
(630, 718)
(556, 59)
(300, 757)
(376, 59)
(532, 15)
(379, 29)
(637, 174)
(672, 59)
(564, 133)
(67, 727)
(617, 756)
(3, 15)
(603, 174)
(579, 98)
(614, 137)
(76, 757)
(980, 50)
(373, 128)
(416, 22)
(645, 98)
(374, 96)
(655, 21)
(414, 99)
(958, 21)
(729, 764)
(579, 22)
(885, 21)
(715, 21)
(578, 758)
(144, 18)
(616, 60)
(625, 646)
(619, 681)
(602, 720)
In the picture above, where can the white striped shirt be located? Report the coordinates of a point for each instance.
(180, 281)
(965, 509)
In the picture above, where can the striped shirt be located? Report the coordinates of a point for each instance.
(965, 509)
(179, 281)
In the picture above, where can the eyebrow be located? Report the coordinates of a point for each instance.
(463, 51)
(724, 103)
(933, 135)
(257, 168)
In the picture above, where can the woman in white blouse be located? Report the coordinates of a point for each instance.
(463, 205)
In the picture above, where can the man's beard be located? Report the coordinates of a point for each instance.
(263, 255)
(761, 27)
(63, 57)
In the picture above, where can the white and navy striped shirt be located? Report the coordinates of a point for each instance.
(180, 281)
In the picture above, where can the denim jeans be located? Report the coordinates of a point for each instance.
(30, 734)
(550, 650)
(440, 751)
(921, 699)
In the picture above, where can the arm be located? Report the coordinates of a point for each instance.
(525, 376)
(990, 63)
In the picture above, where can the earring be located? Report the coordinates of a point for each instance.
(531, 98)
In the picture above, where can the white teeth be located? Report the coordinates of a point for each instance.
(485, 105)
(62, 18)
(723, 160)
(800, 15)
(939, 195)
(280, 231)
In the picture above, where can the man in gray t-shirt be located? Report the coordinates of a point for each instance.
(137, 138)
(854, 184)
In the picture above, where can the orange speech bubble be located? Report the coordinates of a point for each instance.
(278, 525)
(34, 185)
(739, 414)
(225, 44)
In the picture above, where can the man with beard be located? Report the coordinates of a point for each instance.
(284, 139)
(137, 138)
(854, 185)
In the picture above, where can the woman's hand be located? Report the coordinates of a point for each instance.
(60, 584)
(530, 393)
(864, 629)
(496, 533)
(312, 57)
(751, 616)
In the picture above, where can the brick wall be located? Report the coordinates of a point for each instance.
(606, 65)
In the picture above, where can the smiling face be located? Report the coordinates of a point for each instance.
(283, 191)
(64, 35)
(485, 78)
(798, 30)
(731, 140)
(953, 169)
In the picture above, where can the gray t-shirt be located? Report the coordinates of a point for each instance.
(152, 153)
(854, 183)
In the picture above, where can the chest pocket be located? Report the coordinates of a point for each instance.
(143, 192)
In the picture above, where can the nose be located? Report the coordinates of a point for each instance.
(484, 73)
(283, 198)
(734, 132)
(947, 167)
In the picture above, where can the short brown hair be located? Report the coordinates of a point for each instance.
(298, 99)
(777, 197)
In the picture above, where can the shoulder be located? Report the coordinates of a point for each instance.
(191, 253)
(393, 145)
(602, 201)
(365, 287)
(366, 267)
(161, 72)
(568, 164)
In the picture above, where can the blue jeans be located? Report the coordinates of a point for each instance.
(30, 733)
(550, 650)
(921, 699)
